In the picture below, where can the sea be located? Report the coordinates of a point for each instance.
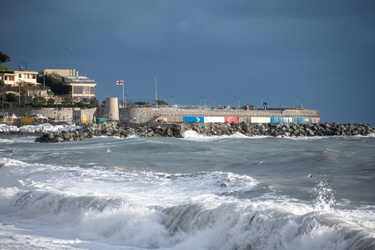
(196, 192)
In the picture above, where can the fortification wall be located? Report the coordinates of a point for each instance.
(69, 115)
(142, 115)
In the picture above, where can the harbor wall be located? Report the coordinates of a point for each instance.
(170, 115)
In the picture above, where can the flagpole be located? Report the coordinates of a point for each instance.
(156, 91)
(123, 95)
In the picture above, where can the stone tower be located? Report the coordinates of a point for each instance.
(111, 110)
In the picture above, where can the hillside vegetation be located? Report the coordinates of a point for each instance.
(4, 68)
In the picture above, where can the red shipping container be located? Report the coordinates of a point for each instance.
(231, 119)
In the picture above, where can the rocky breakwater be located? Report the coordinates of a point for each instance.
(280, 129)
(113, 129)
(210, 129)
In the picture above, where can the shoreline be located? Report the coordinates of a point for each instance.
(19, 134)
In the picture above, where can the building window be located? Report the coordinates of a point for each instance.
(77, 90)
(86, 90)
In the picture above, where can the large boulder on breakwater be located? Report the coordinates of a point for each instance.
(176, 130)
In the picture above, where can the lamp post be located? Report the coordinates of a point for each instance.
(19, 93)
(297, 102)
(156, 91)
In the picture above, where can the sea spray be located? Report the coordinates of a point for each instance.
(325, 197)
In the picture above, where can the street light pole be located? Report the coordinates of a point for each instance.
(19, 93)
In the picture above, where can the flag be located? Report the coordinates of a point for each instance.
(120, 82)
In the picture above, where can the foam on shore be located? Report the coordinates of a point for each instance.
(39, 128)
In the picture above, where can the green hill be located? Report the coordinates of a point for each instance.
(4, 68)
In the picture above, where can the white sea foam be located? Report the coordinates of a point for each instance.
(108, 205)
(39, 128)
(195, 136)
(159, 188)
(257, 225)
(57, 206)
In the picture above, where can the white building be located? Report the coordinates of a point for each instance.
(18, 78)
(75, 86)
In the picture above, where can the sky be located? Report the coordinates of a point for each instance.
(315, 53)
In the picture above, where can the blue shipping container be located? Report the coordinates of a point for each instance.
(299, 119)
(192, 119)
(280, 119)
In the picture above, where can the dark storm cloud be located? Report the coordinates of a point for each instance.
(321, 51)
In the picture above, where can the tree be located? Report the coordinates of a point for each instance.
(161, 102)
(54, 81)
(67, 100)
(94, 102)
(51, 101)
(85, 100)
(141, 103)
(10, 97)
(4, 58)
(40, 100)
